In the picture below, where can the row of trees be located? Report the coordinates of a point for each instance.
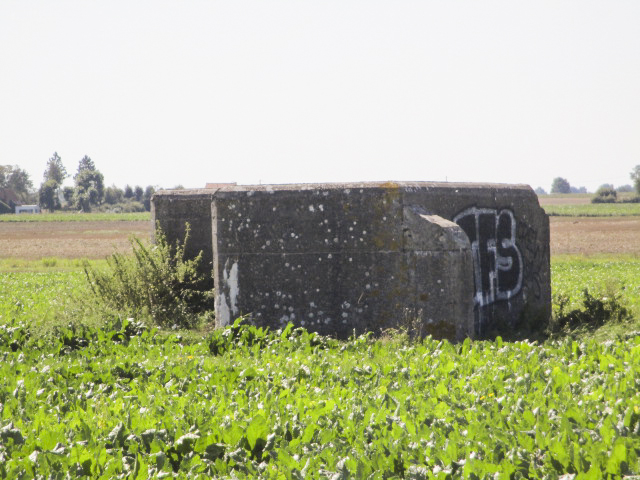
(562, 185)
(87, 193)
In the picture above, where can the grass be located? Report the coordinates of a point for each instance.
(578, 197)
(593, 210)
(77, 217)
(605, 277)
(38, 298)
(46, 264)
(37, 283)
(579, 205)
(602, 275)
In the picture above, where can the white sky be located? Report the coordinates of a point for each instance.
(189, 92)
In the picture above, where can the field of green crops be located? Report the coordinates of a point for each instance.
(600, 275)
(126, 402)
(121, 403)
(594, 210)
(37, 298)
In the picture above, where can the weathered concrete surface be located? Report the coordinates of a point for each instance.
(439, 285)
(342, 257)
(171, 210)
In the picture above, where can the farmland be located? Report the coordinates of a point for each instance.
(594, 210)
(595, 235)
(107, 404)
(68, 239)
(119, 399)
(579, 205)
(71, 238)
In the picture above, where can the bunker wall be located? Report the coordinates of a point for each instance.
(339, 257)
(173, 210)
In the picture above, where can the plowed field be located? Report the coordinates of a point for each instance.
(599, 235)
(35, 240)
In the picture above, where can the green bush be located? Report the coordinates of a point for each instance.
(596, 311)
(605, 195)
(157, 281)
(124, 207)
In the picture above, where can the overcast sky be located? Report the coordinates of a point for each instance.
(189, 92)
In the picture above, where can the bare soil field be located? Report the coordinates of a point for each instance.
(565, 199)
(94, 240)
(91, 240)
(574, 198)
(595, 235)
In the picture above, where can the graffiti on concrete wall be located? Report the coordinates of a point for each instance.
(498, 266)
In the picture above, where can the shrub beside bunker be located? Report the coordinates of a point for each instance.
(156, 282)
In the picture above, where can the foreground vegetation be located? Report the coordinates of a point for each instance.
(608, 275)
(82, 396)
(126, 402)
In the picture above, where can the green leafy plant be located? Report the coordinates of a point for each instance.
(122, 401)
(119, 400)
(157, 281)
(597, 310)
(244, 335)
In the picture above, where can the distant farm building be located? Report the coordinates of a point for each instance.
(209, 186)
(27, 209)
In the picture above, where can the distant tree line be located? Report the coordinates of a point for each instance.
(606, 193)
(562, 185)
(87, 194)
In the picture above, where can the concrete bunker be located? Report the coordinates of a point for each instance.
(456, 260)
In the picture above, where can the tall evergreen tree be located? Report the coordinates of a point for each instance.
(89, 188)
(138, 192)
(54, 175)
(55, 169)
(85, 164)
